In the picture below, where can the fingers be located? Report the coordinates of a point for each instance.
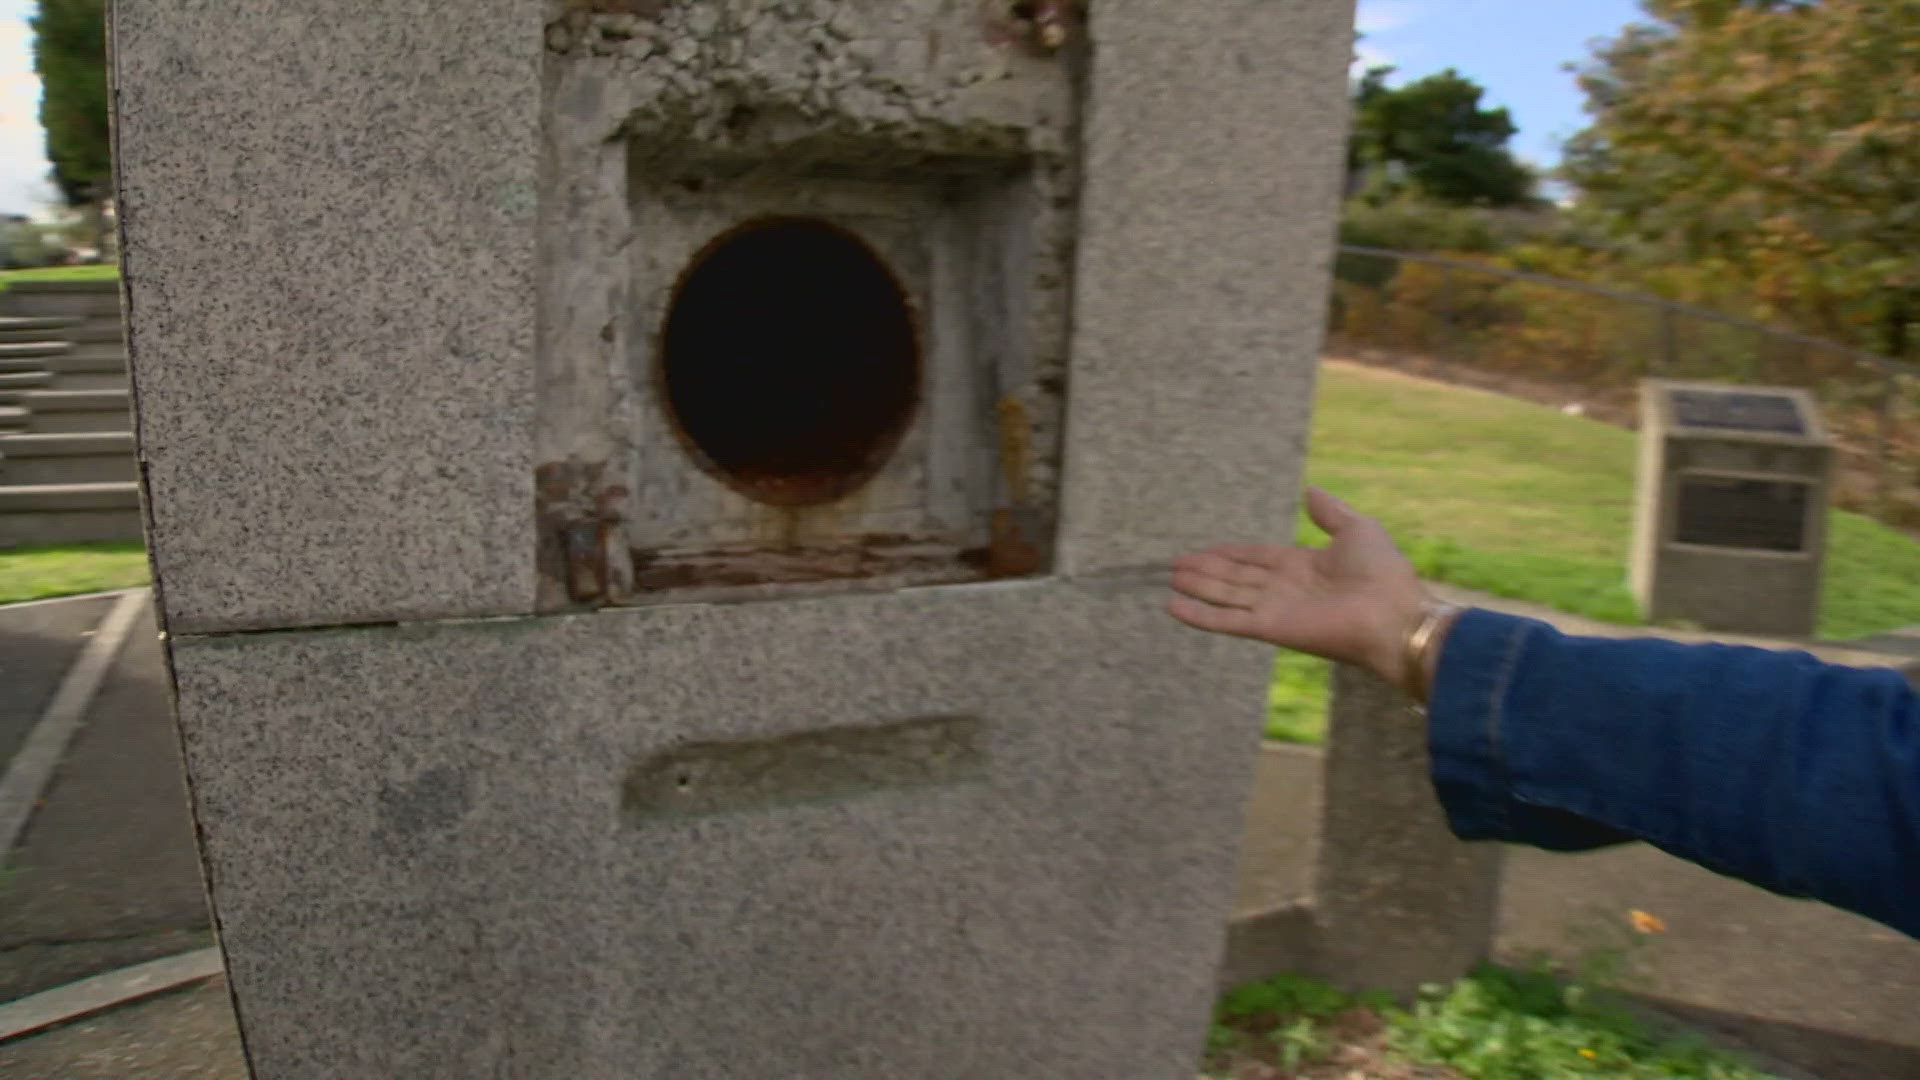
(1219, 620)
(1330, 513)
(1213, 590)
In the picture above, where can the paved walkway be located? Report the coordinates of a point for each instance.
(105, 874)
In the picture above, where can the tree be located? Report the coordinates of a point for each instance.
(1776, 141)
(1433, 137)
(70, 55)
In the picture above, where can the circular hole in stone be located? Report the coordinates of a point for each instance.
(789, 361)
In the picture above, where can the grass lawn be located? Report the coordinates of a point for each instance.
(103, 272)
(1515, 499)
(36, 573)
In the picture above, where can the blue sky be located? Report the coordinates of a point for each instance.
(1515, 48)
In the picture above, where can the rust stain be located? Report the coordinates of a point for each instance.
(866, 556)
(1016, 446)
(582, 553)
(1009, 552)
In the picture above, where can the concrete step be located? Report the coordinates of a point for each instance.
(88, 458)
(13, 417)
(33, 514)
(24, 498)
(100, 328)
(59, 307)
(66, 411)
(20, 367)
(90, 356)
(28, 337)
(20, 328)
(33, 350)
(14, 386)
(89, 380)
(60, 299)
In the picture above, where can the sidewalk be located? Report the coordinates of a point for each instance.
(106, 873)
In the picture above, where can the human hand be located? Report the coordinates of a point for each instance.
(1355, 600)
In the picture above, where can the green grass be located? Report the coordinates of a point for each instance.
(1515, 499)
(1495, 1024)
(102, 272)
(1297, 699)
(38, 573)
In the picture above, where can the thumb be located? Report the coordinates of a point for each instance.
(1330, 513)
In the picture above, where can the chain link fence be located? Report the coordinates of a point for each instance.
(1585, 348)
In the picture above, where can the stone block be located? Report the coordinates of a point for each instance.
(423, 866)
(1400, 901)
(328, 213)
(1199, 310)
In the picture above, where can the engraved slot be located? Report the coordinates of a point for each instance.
(814, 766)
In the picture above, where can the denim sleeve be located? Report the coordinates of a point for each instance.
(1799, 776)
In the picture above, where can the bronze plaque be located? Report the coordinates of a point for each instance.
(1775, 414)
(1738, 512)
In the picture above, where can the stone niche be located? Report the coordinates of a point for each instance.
(809, 296)
(1731, 508)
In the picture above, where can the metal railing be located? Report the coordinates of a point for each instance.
(1552, 336)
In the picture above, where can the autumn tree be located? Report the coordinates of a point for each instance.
(1433, 138)
(1777, 141)
(70, 55)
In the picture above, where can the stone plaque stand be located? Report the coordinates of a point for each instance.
(1398, 902)
(1731, 509)
(554, 707)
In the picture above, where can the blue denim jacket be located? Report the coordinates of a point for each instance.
(1799, 776)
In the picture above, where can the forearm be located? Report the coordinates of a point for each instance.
(1798, 776)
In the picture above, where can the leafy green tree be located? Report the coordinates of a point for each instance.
(70, 55)
(1432, 137)
(1774, 142)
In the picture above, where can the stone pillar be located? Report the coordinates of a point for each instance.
(560, 700)
(1399, 901)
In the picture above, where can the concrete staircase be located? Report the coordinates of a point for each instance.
(67, 469)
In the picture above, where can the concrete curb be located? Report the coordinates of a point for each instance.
(32, 767)
(68, 598)
(101, 992)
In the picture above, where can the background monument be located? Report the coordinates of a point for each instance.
(1730, 518)
(659, 512)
